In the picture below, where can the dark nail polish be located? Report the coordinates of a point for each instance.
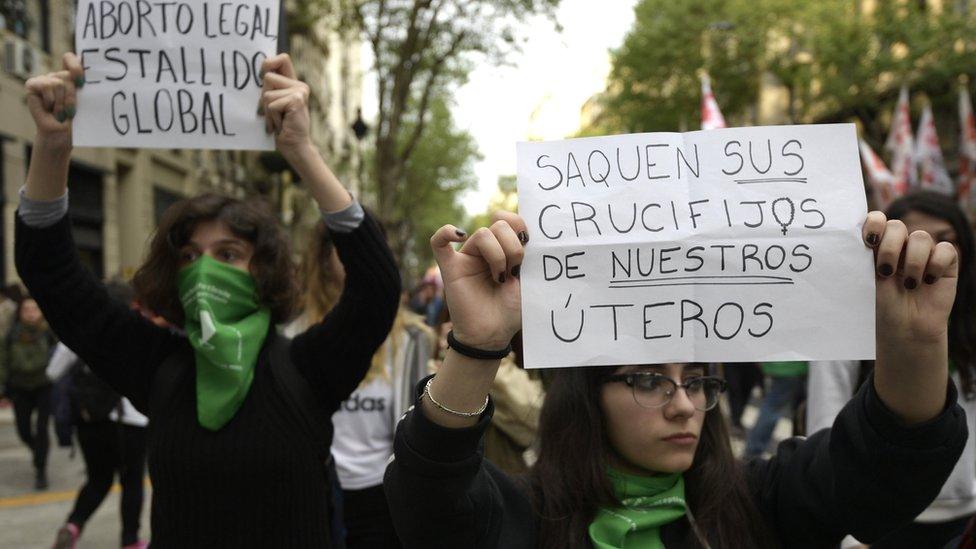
(886, 270)
(80, 81)
(911, 283)
(460, 233)
(60, 116)
(70, 112)
(523, 237)
(929, 279)
(516, 270)
(873, 239)
(501, 278)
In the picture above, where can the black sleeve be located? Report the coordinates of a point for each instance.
(119, 345)
(865, 476)
(335, 354)
(442, 493)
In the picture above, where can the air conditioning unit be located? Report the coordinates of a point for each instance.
(20, 58)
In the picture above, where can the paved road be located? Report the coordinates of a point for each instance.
(29, 519)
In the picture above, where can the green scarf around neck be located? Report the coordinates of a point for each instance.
(648, 504)
(226, 327)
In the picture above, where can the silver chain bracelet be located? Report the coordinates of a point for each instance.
(448, 410)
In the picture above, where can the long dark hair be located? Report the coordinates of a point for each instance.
(962, 319)
(569, 483)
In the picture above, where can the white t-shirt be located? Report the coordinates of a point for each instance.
(363, 441)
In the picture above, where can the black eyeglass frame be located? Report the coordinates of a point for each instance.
(631, 381)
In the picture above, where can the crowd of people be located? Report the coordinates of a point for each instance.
(317, 404)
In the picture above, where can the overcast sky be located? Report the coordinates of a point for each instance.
(541, 94)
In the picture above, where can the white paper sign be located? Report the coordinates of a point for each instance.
(173, 74)
(725, 245)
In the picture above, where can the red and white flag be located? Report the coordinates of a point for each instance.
(967, 151)
(712, 118)
(902, 146)
(879, 176)
(928, 154)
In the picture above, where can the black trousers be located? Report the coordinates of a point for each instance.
(920, 535)
(32, 413)
(742, 378)
(368, 521)
(109, 447)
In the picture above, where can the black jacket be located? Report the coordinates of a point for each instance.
(864, 476)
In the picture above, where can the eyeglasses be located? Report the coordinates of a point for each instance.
(652, 390)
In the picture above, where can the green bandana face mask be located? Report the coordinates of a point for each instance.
(648, 504)
(226, 327)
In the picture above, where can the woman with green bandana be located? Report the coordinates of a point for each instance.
(638, 456)
(239, 416)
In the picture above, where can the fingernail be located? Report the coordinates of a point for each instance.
(70, 112)
(516, 270)
(501, 278)
(911, 283)
(80, 81)
(873, 239)
(60, 116)
(886, 270)
(260, 110)
(460, 233)
(523, 237)
(929, 279)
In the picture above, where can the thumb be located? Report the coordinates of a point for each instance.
(441, 243)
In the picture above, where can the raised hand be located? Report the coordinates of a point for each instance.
(916, 287)
(916, 280)
(481, 280)
(284, 103)
(52, 101)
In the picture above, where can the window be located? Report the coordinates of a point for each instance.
(162, 200)
(29, 19)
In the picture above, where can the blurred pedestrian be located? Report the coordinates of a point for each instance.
(514, 426)
(23, 360)
(787, 383)
(742, 378)
(832, 383)
(112, 436)
(639, 455)
(240, 415)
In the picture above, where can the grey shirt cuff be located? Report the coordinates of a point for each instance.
(39, 214)
(346, 220)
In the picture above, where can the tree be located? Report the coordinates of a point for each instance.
(440, 169)
(836, 59)
(421, 48)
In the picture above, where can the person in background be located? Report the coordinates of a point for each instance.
(23, 360)
(787, 382)
(10, 296)
(112, 436)
(832, 384)
(518, 400)
(742, 378)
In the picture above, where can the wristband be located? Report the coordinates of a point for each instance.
(477, 354)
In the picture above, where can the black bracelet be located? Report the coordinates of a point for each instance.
(477, 354)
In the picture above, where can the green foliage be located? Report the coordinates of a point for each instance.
(437, 173)
(835, 59)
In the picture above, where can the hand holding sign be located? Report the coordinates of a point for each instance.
(481, 281)
(52, 102)
(284, 103)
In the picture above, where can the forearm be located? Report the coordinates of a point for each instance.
(911, 377)
(322, 183)
(461, 384)
(47, 176)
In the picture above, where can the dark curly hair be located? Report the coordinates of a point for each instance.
(252, 220)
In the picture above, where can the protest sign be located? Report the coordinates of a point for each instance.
(724, 245)
(173, 74)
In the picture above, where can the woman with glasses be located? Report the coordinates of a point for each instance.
(639, 455)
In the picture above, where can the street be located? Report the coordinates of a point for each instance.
(30, 519)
